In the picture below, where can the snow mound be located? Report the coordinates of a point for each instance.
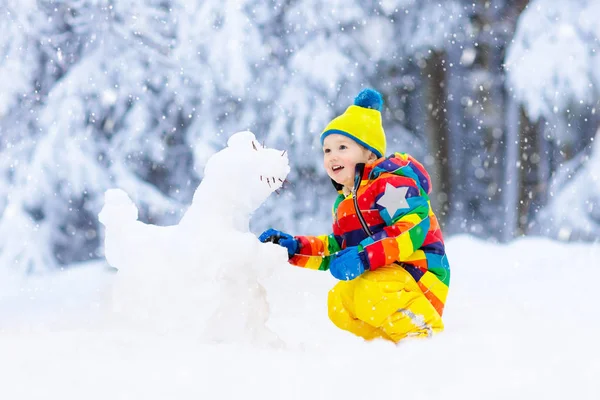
(200, 277)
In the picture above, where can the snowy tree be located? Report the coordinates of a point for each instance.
(139, 94)
(573, 212)
(134, 95)
(553, 63)
(93, 126)
(553, 71)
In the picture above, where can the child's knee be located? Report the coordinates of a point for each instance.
(373, 302)
(341, 311)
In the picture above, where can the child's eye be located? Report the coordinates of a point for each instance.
(326, 150)
(343, 147)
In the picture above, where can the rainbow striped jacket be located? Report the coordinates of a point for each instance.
(393, 198)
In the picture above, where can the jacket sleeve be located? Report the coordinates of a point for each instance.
(404, 206)
(314, 252)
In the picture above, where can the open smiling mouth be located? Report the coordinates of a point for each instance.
(337, 168)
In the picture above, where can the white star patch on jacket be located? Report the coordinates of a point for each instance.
(394, 199)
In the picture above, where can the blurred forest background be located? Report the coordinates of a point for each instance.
(498, 98)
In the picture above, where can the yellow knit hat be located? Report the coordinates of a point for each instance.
(361, 122)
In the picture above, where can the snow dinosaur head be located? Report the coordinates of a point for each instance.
(246, 171)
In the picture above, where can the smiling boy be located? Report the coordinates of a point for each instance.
(386, 247)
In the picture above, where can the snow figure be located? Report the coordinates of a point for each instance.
(202, 275)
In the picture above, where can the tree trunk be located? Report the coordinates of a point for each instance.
(436, 131)
(511, 179)
(455, 123)
(529, 183)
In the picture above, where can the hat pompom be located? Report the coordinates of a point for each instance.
(369, 98)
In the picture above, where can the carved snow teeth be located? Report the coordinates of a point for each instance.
(273, 179)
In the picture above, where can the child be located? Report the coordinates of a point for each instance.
(386, 247)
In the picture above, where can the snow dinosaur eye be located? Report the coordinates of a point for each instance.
(254, 146)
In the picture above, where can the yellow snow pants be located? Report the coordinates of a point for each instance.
(384, 303)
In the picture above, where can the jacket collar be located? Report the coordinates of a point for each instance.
(361, 175)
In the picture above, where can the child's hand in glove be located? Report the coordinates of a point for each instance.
(348, 264)
(281, 238)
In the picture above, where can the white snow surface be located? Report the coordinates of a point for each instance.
(204, 310)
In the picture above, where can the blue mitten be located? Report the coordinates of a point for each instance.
(348, 264)
(281, 238)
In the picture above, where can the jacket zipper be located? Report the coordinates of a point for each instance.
(357, 178)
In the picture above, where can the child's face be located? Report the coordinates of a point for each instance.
(340, 156)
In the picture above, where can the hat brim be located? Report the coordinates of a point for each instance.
(343, 133)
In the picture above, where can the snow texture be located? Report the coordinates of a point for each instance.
(210, 252)
(521, 323)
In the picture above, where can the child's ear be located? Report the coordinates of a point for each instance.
(372, 157)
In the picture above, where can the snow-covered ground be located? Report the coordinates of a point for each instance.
(521, 323)
(186, 315)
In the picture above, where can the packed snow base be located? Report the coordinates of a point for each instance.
(521, 323)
